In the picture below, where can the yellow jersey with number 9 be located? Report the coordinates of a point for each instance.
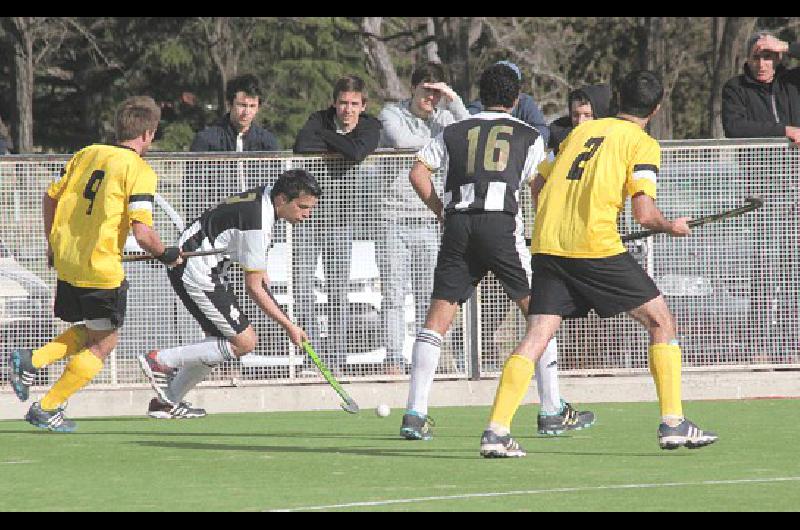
(102, 189)
(599, 165)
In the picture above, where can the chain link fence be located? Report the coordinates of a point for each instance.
(358, 275)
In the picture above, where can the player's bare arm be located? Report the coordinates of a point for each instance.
(420, 178)
(536, 184)
(257, 286)
(649, 216)
(151, 242)
(48, 213)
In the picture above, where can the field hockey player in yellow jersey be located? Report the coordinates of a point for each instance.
(579, 261)
(104, 192)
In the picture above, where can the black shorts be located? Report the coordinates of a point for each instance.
(570, 287)
(474, 243)
(217, 311)
(76, 304)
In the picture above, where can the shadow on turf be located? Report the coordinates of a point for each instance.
(296, 449)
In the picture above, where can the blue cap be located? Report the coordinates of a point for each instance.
(513, 67)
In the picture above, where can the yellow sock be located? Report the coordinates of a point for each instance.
(665, 366)
(80, 370)
(68, 343)
(514, 383)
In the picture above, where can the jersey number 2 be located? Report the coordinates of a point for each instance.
(90, 191)
(576, 171)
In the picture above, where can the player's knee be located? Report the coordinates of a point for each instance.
(244, 343)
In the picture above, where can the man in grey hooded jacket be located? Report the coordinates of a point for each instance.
(408, 241)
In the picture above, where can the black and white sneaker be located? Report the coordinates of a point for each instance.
(495, 446)
(52, 420)
(686, 434)
(568, 419)
(157, 374)
(23, 374)
(167, 411)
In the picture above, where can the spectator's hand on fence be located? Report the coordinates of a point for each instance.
(297, 335)
(793, 134)
(680, 227)
(443, 89)
(768, 43)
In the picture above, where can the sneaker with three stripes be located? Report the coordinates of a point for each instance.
(685, 434)
(167, 411)
(23, 373)
(52, 420)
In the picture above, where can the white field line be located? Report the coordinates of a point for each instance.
(539, 492)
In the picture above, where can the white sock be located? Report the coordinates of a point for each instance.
(547, 380)
(211, 351)
(424, 360)
(186, 379)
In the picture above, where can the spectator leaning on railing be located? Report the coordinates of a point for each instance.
(346, 129)
(764, 101)
(408, 236)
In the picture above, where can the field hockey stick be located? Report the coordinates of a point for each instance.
(194, 254)
(751, 203)
(349, 405)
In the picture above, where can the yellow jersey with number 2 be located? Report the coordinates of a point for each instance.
(599, 165)
(101, 191)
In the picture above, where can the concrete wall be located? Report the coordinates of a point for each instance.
(696, 386)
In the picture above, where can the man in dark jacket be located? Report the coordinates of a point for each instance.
(588, 103)
(207, 183)
(235, 131)
(526, 109)
(764, 101)
(346, 129)
(343, 127)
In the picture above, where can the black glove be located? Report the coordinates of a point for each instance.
(170, 255)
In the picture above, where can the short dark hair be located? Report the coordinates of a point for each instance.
(294, 182)
(499, 86)
(247, 83)
(640, 93)
(429, 72)
(579, 96)
(350, 83)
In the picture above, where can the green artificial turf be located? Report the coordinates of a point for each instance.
(254, 462)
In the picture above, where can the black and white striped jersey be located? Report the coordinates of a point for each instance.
(242, 224)
(489, 156)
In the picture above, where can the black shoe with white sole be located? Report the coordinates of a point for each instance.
(167, 411)
(495, 446)
(686, 434)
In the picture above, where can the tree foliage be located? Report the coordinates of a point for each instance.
(84, 66)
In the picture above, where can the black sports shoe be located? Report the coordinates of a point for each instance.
(52, 420)
(495, 446)
(23, 374)
(686, 434)
(157, 374)
(568, 419)
(166, 411)
(416, 427)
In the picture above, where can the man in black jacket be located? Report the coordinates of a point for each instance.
(343, 128)
(764, 101)
(206, 185)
